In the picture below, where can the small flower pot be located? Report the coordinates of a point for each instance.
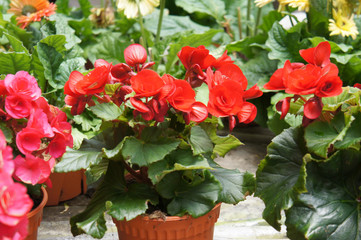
(35, 217)
(170, 228)
(65, 186)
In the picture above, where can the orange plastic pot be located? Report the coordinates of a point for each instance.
(35, 217)
(170, 228)
(65, 186)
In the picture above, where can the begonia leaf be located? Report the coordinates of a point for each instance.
(192, 192)
(112, 195)
(279, 186)
(214, 8)
(145, 153)
(235, 185)
(107, 111)
(180, 159)
(330, 209)
(199, 140)
(12, 62)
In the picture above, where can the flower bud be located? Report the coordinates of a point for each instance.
(135, 54)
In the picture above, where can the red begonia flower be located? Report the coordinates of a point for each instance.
(357, 85)
(224, 59)
(94, 82)
(319, 55)
(253, 92)
(190, 56)
(146, 83)
(233, 72)
(225, 99)
(70, 85)
(198, 112)
(278, 79)
(121, 73)
(329, 86)
(247, 113)
(303, 81)
(183, 97)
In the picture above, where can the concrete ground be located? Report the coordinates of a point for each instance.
(241, 221)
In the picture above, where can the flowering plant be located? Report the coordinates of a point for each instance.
(37, 134)
(162, 131)
(314, 166)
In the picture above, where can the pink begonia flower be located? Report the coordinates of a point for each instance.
(29, 140)
(6, 158)
(18, 232)
(15, 203)
(39, 120)
(22, 83)
(32, 169)
(57, 146)
(17, 106)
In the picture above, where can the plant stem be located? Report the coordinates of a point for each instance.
(131, 171)
(140, 20)
(160, 20)
(239, 21)
(289, 16)
(248, 30)
(257, 20)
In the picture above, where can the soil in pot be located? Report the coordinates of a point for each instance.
(169, 228)
(35, 216)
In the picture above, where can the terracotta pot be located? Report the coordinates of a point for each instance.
(66, 186)
(35, 217)
(171, 228)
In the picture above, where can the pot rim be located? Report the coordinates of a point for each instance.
(41, 205)
(174, 218)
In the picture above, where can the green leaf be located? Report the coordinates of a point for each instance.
(55, 41)
(191, 192)
(16, 44)
(78, 137)
(38, 69)
(110, 47)
(330, 209)
(88, 121)
(270, 19)
(62, 28)
(199, 140)
(145, 153)
(178, 160)
(74, 160)
(280, 186)
(283, 45)
(235, 185)
(321, 135)
(222, 144)
(62, 6)
(112, 195)
(172, 24)
(193, 40)
(353, 135)
(51, 60)
(247, 45)
(259, 69)
(12, 62)
(66, 67)
(8, 133)
(95, 172)
(214, 8)
(107, 111)
(85, 6)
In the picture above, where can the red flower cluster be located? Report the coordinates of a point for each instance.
(153, 95)
(319, 77)
(15, 204)
(42, 131)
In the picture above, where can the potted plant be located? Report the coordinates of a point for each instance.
(156, 145)
(312, 169)
(37, 133)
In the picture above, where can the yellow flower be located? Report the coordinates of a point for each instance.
(301, 5)
(130, 7)
(29, 11)
(262, 3)
(342, 25)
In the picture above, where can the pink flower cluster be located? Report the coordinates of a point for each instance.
(41, 130)
(14, 202)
